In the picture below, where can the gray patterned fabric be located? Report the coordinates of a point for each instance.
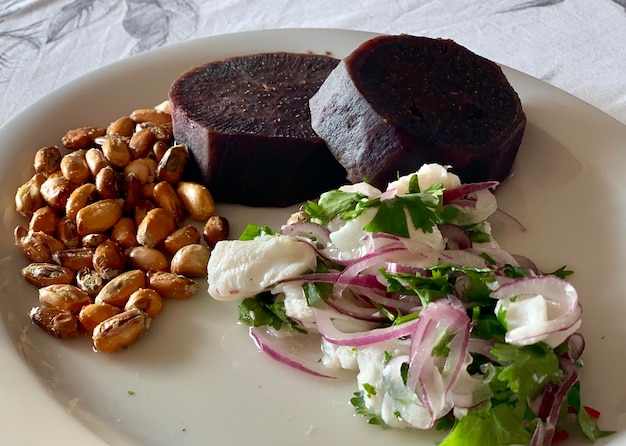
(576, 45)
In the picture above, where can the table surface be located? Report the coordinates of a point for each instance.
(575, 45)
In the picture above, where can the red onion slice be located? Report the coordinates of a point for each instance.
(551, 404)
(561, 295)
(325, 326)
(466, 189)
(308, 230)
(456, 237)
(427, 395)
(271, 345)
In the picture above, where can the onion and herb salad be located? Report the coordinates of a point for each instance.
(407, 287)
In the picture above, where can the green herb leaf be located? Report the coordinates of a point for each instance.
(527, 369)
(358, 401)
(253, 231)
(587, 424)
(331, 204)
(423, 208)
(262, 310)
(427, 288)
(495, 426)
(562, 272)
(516, 272)
(370, 389)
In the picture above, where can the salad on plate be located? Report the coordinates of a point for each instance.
(408, 288)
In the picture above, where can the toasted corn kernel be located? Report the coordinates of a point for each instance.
(146, 300)
(47, 160)
(141, 210)
(55, 191)
(298, 217)
(64, 297)
(215, 229)
(120, 331)
(118, 290)
(151, 115)
(172, 164)
(165, 197)
(92, 314)
(108, 183)
(93, 240)
(19, 232)
(183, 236)
(155, 227)
(131, 187)
(79, 198)
(144, 169)
(147, 191)
(98, 217)
(164, 107)
(191, 261)
(159, 148)
(96, 161)
(82, 138)
(67, 232)
(109, 260)
(123, 233)
(147, 259)
(74, 167)
(45, 220)
(116, 151)
(38, 247)
(141, 143)
(172, 286)
(74, 259)
(88, 280)
(59, 323)
(123, 126)
(162, 132)
(43, 274)
(197, 200)
(28, 197)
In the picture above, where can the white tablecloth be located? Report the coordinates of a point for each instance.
(576, 45)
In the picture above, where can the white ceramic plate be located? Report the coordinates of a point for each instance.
(196, 378)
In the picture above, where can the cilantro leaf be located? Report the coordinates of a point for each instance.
(485, 325)
(516, 272)
(390, 219)
(562, 272)
(331, 204)
(494, 426)
(370, 389)
(527, 369)
(587, 424)
(428, 288)
(316, 292)
(358, 401)
(423, 208)
(253, 231)
(262, 310)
